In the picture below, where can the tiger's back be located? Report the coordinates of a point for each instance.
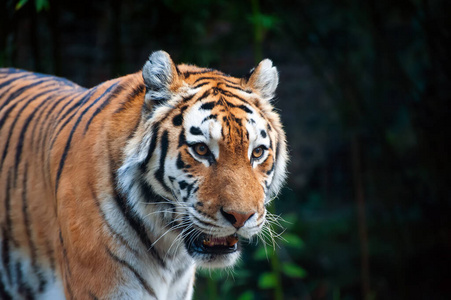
(39, 117)
(121, 190)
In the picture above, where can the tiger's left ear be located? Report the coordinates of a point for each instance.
(264, 79)
(160, 77)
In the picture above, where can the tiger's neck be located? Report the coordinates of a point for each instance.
(152, 237)
(151, 257)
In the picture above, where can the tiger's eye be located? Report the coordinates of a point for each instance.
(257, 152)
(201, 149)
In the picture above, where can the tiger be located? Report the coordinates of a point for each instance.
(123, 190)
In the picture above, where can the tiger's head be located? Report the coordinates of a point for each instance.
(208, 156)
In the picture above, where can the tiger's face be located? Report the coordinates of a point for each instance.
(213, 155)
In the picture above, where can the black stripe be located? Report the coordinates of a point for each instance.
(74, 127)
(182, 184)
(8, 82)
(234, 87)
(47, 123)
(66, 266)
(131, 217)
(65, 258)
(190, 187)
(4, 295)
(5, 253)
(60, 80)
(242, 106)
(68, 288)
(50, 254)
(28, 232)
(177, 120)
(79, 104)
(277, 150)
(102, 106)
(149, 194)
(219, 76)
(16, 119)
(159, 174)
(188, 74)
(37, 122)
(245, 108)
(230, 94)
(205, 78)
(152, 146)
(204, 95)
(180, 164)
(200, 85)
(137, 90)
(115, 234)
(55, 104)
(182, 138)
(24, 289)
(7, 231)
(208, 105)
(141, 280)
(232, 118)
(195, 130)
(20, 141)
(186, 99)
(210, 117)
(133, 220)
(17, 93)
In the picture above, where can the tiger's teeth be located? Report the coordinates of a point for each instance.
(229, 241)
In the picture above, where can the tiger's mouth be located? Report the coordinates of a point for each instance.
(209, 244)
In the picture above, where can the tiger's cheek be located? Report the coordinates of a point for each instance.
(266, 167)
(188, 174)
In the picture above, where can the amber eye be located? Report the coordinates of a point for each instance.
(257, 152)
(201, 149)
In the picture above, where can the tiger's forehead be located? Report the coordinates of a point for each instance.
(223, 110)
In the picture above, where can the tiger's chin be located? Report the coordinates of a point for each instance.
(211, 251)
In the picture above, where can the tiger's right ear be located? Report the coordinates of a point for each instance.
(160, 77)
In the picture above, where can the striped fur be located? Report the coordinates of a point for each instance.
(104, 193)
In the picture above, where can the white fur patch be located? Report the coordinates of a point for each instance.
(54, 291)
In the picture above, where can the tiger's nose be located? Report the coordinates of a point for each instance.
(237, 219)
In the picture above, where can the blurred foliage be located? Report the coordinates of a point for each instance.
(364, 95)
(39, 4)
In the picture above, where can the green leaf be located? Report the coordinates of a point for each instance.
(247, 295)
(20, 4)
(292, 270)
(267, 280)
(293, 241)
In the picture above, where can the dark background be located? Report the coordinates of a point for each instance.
(364, 96)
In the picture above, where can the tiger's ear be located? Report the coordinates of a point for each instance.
(160, 77)
(264, 79)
